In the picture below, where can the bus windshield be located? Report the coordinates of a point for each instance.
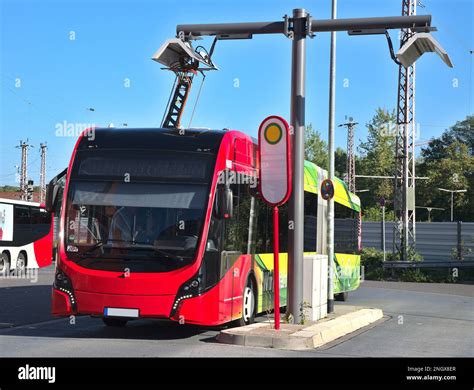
(144, 227)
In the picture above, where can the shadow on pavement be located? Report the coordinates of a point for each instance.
(25, 311)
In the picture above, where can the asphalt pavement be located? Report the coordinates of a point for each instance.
(429, 320)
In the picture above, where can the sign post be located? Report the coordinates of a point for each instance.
(327, 193)
(274, 153)
(382, 204)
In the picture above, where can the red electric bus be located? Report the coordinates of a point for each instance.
(167, 223)
(26, 235)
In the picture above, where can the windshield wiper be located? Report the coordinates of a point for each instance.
(92, 249)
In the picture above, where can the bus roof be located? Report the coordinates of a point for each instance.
(152, 138)
(314, 175)
(19, 202)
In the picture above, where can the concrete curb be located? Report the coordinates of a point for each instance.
(299, 337)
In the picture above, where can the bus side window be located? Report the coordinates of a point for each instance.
(283, 228)
(264, 236)
(346, 230)
(40, 223)
(237, 228)
(22, 223)
(231, 239)
(264, 220)
(310, 221)
(22, 215)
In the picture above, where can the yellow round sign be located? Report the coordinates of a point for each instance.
(273, 133)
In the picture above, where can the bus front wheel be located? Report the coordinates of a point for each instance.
(115, 322)
(249, 304)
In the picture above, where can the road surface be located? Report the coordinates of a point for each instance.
(431, 320)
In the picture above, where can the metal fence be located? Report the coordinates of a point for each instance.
(435, 241)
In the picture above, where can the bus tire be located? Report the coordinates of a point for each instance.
(4, 262)
(249, 304)
(115, 322)
(21, 262)
(342, 297)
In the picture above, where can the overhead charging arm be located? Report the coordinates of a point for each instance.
(180, 57)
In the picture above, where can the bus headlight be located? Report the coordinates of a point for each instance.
(188, 290)
(64, 284)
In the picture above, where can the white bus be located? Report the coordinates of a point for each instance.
(26, 235)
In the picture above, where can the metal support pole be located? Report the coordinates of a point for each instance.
(459, 241)
(383, 233)
(452, 206)
(295, 210)
(330, 214)
(276, 268)
(349, 24)
(404, 183)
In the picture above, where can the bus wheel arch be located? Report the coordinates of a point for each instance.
(5, 261)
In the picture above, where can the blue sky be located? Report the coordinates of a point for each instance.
(61, 77)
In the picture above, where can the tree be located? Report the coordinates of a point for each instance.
(374, 214)
(377, 158)
(448, 161)
(462, 132)
(340, 161)
(315, 148)
(453, 172)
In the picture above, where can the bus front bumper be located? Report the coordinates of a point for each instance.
(89, 303)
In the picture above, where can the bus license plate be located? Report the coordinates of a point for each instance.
(120, 312)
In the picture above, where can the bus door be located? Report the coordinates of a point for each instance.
(236, 261)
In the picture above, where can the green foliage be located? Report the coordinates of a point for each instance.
(413, 275)
(374, 214)
(412, 256)
(9, 189)
(452, 168)
(315, 148)
(448, 161)
(377, 158)
(372, 261)
(461, 132)
(340, 161)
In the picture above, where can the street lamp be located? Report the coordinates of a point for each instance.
(175, 53)
(430, 209)
(419, 44)
(452, 198)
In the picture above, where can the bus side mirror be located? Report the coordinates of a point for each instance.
(224, 202)
(51, 197)
(52, 191)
